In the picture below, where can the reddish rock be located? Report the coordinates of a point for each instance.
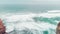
(2, 28)
(58, 28)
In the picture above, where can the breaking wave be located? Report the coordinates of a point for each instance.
(31, 23)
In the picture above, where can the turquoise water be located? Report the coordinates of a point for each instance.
(27, 8)
(30, 19)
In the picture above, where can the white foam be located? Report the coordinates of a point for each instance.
(19, 21)
(54, 11)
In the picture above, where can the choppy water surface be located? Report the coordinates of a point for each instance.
(26, 20)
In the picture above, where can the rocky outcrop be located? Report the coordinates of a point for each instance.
(2, 28)
(58, 28)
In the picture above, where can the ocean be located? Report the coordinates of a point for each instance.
(30, 19)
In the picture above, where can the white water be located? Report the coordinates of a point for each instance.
(21, 22)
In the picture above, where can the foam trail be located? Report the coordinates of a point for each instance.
(24, 23)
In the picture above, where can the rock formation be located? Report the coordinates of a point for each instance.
(58, 28)
(2, 28)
